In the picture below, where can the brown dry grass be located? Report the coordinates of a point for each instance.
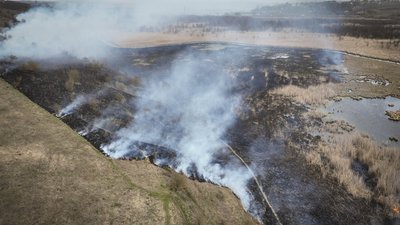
(313, 95)
(335, 158)
(178, 182)
(337, 162)
(383, 163)
(393, 115)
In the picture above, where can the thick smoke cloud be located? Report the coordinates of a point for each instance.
(80, 30)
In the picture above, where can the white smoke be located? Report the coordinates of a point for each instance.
(85, 28)
(189, 111)
(75, 104)
(80, 30)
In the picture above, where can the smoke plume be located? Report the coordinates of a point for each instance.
(189, 111)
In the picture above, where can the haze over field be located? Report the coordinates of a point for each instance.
(196, 6)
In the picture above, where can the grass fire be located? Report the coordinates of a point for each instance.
(208, 112)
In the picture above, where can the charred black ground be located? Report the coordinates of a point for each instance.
(266, 127)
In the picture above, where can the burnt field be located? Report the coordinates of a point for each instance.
(269, 132)
(300, 135)
(8, 11)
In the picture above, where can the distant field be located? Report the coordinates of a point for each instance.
(361, 46)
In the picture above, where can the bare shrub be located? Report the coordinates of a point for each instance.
(313, 95)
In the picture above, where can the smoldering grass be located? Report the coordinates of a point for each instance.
(75, 104)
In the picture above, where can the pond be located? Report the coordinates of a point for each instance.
(368, 116)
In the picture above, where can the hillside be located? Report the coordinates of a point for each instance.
(50, 175)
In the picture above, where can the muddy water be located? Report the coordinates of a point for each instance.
(368, 116)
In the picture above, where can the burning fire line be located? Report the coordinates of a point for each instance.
(256, 180)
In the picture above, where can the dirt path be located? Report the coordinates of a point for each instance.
(50, 175)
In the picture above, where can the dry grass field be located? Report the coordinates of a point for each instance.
(336, 158)
(313, 95)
